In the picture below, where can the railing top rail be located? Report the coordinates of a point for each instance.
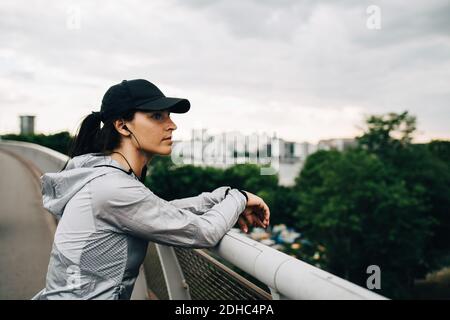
(292, 278)
(37, 147)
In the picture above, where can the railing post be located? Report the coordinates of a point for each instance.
(177, 286)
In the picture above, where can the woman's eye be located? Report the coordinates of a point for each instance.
(157, 116)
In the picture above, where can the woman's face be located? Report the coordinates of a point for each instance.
(153, 130)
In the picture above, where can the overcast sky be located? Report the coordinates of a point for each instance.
(306, 70)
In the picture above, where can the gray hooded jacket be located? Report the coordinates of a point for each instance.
(106, 218)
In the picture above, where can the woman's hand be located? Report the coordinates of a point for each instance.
(256, 213)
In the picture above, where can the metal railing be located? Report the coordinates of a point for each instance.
(175, 273)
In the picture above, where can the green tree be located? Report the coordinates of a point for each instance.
(283, 202)
(248, 177)
(387, 133)
(60, 141)
(355, 206)
(172, 182)
(423, 166)
(384, 203)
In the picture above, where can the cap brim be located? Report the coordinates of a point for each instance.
(175, 105)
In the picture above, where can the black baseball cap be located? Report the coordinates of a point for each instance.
(139, 94)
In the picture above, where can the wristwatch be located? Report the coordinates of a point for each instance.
(245, 195)
(241, 191)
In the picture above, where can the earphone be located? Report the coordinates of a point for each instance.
(144, 170)
(126, 128)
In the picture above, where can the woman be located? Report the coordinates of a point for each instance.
(106, 214)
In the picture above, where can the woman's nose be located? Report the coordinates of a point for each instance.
(172, 124)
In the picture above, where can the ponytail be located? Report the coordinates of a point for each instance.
(87, 139)
(94, 138)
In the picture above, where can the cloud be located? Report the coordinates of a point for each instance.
(235, 61)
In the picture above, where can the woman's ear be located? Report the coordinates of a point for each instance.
(121, 127)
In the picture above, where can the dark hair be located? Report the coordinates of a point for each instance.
(94, 138)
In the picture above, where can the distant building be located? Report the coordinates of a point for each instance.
(304, 149)
(26, 125)
(287, 151)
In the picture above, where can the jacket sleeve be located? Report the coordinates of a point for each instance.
(203, 202)
(134, 209)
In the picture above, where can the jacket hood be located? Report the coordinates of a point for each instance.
(58, 188)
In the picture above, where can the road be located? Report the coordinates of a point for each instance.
(25, 233)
